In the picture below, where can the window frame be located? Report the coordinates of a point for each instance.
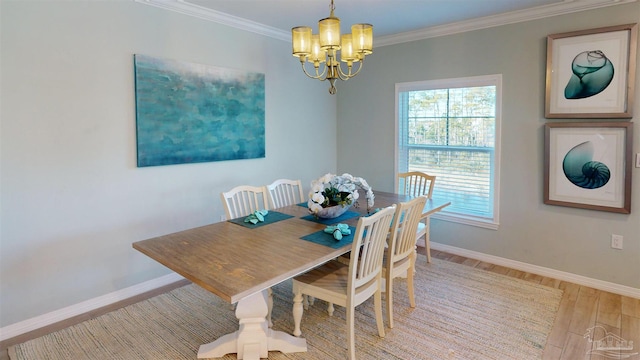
(462, 82)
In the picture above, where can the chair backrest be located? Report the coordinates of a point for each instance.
(404, 228)
(285, 192)
(416, 183)
(244, 200)
(369, 240)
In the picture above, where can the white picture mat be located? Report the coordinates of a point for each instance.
(609, 148)
(613, 99)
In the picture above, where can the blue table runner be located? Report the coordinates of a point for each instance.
(326, 239)
(270, 218)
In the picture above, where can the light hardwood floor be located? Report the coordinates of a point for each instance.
(581, 308)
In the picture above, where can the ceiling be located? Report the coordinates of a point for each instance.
(393, 20)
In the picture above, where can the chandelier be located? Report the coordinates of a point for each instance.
(323, 49)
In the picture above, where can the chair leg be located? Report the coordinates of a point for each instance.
(389, 297)
(410, 272)
(427, 244)
(269, 306)
(330, 309)
(351, 337)
(308, 301)
(377, 303)
(297, 312)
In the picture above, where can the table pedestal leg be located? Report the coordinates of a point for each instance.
(254, 339)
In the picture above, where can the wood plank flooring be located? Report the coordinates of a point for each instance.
(581, 308)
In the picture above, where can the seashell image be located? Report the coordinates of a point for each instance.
(580, 168)
(592, 73)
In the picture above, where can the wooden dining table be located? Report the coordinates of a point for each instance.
(239, 263)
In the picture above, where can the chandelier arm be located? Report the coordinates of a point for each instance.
(324, 47)
(318, 76)
(346, 76)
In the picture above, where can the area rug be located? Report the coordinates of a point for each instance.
(461, 313)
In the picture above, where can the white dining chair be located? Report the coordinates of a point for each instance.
(244, 200)
(416, 183)
(400, 254)
(285, 192)
(350, 285)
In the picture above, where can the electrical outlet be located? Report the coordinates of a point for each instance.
(222, 218)
(638, 160)
(616, 241)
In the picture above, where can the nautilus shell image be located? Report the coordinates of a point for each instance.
(592, 73)
(580, 168)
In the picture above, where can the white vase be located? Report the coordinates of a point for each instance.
(332, 211)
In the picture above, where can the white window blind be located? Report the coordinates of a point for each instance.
(450, 129)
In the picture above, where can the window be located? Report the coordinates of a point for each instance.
(451, 128)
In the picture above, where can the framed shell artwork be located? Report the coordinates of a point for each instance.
(591, 73)
(588, 165)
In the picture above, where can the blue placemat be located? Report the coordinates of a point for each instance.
(323, 238)
(346, 216)
(272, 216)
(303, 204)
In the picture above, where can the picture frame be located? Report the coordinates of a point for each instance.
(588, 165)
(591, 73)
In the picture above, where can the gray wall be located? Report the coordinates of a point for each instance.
(561, 238)
(72, 199)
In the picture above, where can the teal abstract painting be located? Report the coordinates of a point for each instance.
(190, 113)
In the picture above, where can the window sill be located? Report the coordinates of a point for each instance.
(467, 220)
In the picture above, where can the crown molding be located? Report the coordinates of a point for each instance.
(565, 7)
(200, 12)
(545, 11)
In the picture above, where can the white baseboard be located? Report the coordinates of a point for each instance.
(68, 312)
(53, 317)
(539, 270)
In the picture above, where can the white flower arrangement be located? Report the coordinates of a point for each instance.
(332, 190)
